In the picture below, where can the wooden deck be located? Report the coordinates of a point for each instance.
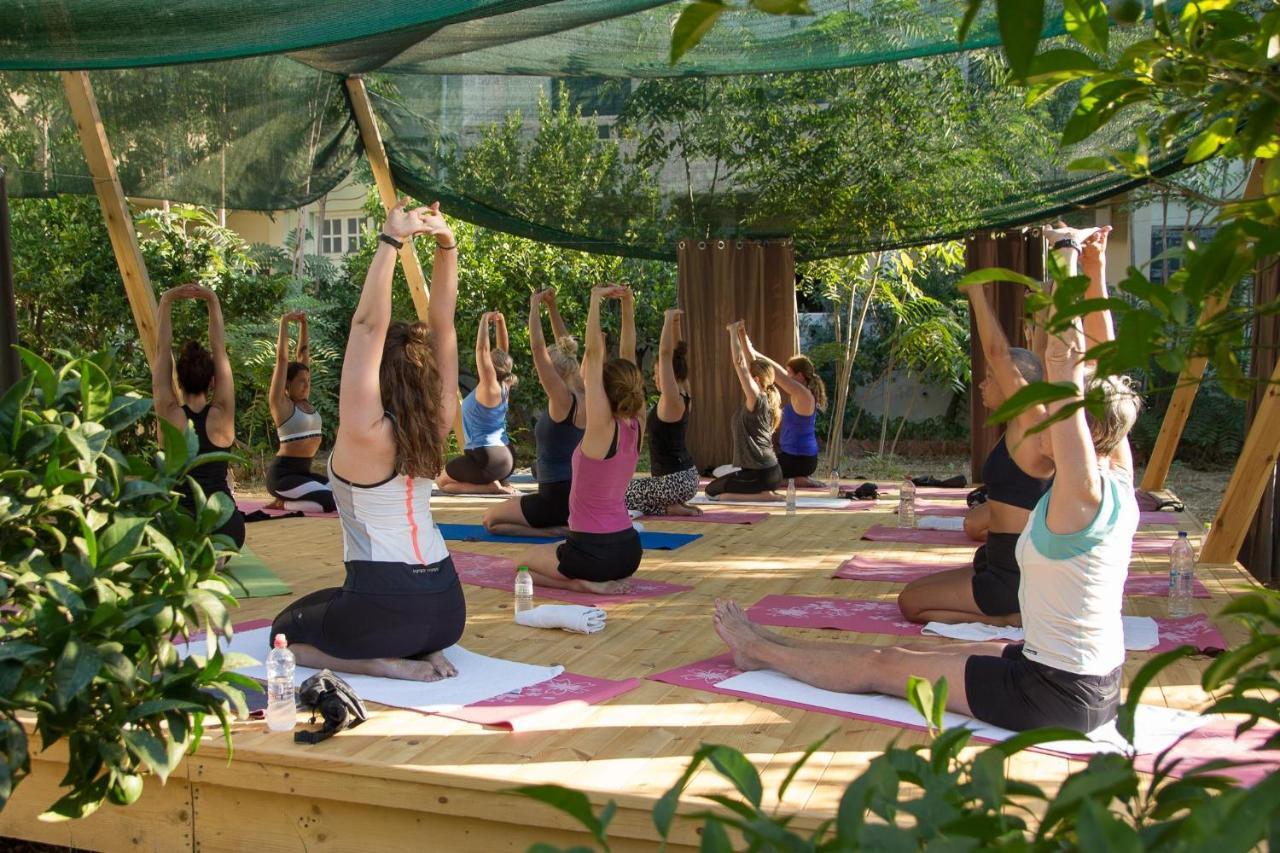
(405, 780)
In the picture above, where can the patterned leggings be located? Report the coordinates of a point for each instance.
(652, 495)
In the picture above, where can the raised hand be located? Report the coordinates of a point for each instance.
(548, 295)
(1061, 231)
(1093, 249)
(403, 223)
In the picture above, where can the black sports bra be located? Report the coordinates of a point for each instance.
(1009, 484)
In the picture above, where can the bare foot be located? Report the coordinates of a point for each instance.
(278, 503)
(442, 665)
(505, 488)
(409, 669)
(682, 509)
(739, 636)
(733, 609)
(604, 587)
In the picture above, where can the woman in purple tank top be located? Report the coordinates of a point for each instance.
(602, 548)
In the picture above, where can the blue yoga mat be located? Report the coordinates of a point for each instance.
(652, 540)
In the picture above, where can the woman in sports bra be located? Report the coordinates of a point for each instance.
(797, 437)
(602, 549)
(758, 473)
(558, 432)
(290, 479)
(209, 399)
(486, 461)
(401, 604)
(673, 477)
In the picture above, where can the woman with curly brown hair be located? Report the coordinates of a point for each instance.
(401, 604)
(603, 548)
(758, 472)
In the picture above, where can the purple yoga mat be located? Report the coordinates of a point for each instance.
(860, 567)
(1218, 740)
(499, 573)
(916, 536)
(726, 517)
(842, 614)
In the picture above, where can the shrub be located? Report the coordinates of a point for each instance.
(100, 572)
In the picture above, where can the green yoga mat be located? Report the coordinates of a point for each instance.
(249, 577)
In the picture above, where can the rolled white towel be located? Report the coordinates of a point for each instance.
(939, 522)
(570, 617)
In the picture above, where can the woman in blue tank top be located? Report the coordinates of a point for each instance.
(486, 461)
(797, 437)
(558, 432)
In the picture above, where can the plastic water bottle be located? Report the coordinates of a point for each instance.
(791, 496)
(907, 504)
(835, 482)
(282, 709)
(1182, 575)
(524, 589)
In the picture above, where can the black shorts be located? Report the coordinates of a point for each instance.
(797, 466)
(385, 610)
(482, 465)
(747, 481)
(600, 556)
(547, 507)
(1015, 693)
(996, 575)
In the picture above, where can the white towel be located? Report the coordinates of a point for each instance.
(939, 522)
(570, 617)
(722, 470)
(639, 528)
(1140, 632)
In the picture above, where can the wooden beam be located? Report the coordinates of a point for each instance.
(1248, 481)
(1175, 417)
(115, 208)
(381, 168)
(377, 155)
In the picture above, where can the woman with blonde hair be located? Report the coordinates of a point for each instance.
(557, 433)
(401, 604)
(486, 461)
(758, 471)
(797, 432)
(603, 548)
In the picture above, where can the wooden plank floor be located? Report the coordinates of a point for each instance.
(403, 774)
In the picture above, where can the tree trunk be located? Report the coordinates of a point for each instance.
(853, 337)
(884, 417)
(893, 448)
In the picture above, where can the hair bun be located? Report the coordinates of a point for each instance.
(568, 345)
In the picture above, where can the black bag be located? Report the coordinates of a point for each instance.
(865, 492)
(977, 496)
(333, 699)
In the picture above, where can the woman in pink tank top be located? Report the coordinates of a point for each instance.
(603, 548)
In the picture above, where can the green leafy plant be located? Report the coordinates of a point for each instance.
(944, 796)
(100, 572)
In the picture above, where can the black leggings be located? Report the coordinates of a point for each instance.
(385, 610)
(482, 465)
(290, 478)
(797, 466)
(748, 481)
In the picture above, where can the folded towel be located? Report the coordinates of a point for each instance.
(1140, 632)
(570, 617)
(939, 522)
(722, 470)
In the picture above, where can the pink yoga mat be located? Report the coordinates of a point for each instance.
(726, 517)
(842, 614)
(863, 568)
(542, 703)
(1218, 740)
(1146, 501)
(1158, 585)
(1148, 545)
(499, 573)
(248, 505)
(1194, 630)
(916, 536)
(1151, 518)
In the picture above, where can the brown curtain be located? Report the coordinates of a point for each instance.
(1020, 251)
(721, 281)
(1262, 543)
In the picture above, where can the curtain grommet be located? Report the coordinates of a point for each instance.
(719, 244)
(702, 244)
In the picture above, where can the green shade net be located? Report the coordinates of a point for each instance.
(862, 127)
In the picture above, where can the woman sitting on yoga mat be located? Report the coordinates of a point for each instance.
(209, 397)
(401, 603)
(1074, 554)
(557, 433)
(486, 461)
(1017, 473)
(758, 473)
(603, 548)
(673, 479)
(289, 477)
(797, 434)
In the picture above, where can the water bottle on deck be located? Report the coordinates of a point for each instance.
(282, 709)
(907, 504)
(835, 482)
(524, 589)
(1182, 575)
(791, 496)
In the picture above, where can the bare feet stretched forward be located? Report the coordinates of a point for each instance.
(732, 626)
(604, 587)
(735, 610)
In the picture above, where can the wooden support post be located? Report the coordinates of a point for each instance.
(381, 168)
(115, 208)
(1248, 481)
(1175, 417)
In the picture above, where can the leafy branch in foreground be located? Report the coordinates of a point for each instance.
(100, 572)
(954, 794)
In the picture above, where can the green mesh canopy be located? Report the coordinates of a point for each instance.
(863, 126)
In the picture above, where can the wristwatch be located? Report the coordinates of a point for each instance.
(1067, 243)
(390, 241)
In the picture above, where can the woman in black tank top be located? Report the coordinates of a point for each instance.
(209, 391)
(673, 480)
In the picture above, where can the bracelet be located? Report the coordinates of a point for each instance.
(1067, 243)
(390, 241)
(446, 248)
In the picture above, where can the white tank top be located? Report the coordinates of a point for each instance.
(388, 522)
(1072, 588)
